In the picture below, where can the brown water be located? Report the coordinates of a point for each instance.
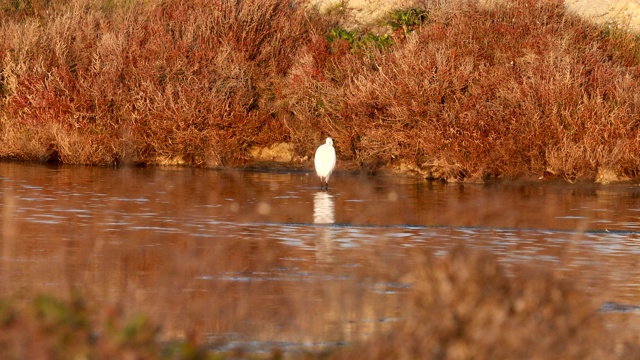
(265, 258)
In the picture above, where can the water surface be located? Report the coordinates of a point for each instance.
(267, 258)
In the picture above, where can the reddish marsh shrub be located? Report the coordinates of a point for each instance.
(519, 88)
(146, 81)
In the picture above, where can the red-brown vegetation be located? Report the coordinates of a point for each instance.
(518, 89)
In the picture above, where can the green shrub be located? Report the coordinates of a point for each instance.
(407, 20)
(360, 41)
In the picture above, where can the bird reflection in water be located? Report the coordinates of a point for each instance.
(324, 213)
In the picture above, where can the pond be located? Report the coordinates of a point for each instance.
(263, 259)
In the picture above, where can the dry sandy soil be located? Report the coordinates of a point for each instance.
(625, 13)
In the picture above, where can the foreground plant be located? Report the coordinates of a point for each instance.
(465, 306)
(50, 328)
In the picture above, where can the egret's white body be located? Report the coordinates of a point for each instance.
(325, 162)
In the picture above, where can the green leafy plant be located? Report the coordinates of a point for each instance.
(407, 19)
(359, 41)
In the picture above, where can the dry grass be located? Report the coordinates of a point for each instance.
(518, 89)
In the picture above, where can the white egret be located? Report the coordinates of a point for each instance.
(325, 161)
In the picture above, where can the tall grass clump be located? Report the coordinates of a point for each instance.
(455, 89)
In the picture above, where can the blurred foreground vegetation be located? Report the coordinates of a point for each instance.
(460, 306)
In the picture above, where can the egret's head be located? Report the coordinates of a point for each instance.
(329, 141)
